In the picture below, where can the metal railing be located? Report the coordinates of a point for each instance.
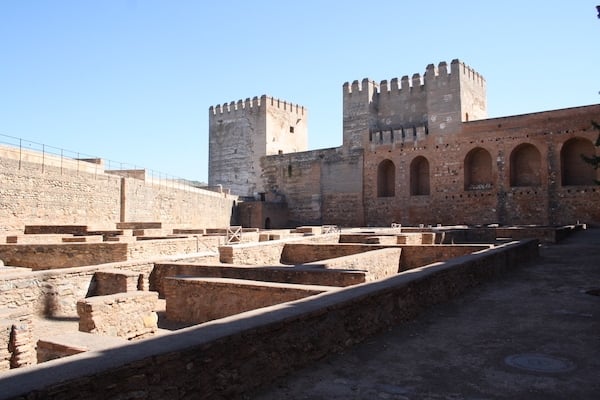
(45, 156)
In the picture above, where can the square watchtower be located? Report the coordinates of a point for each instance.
(243, 132)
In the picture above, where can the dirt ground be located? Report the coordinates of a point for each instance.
(533, 334)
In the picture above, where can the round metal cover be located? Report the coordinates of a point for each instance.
(539, 363)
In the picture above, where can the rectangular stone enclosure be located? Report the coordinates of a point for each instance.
(197, 300)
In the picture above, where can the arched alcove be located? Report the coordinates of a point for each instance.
(525, 166)
(574, 170)
(419, 176)
(478, 169)
(386, 178)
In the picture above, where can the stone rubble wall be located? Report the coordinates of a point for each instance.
(54, 293)
(66, 255)
(194, 300)
(377, 264)
(16, 338)
(129, 315)
(303, 276)
(266, 253)
(116, 281)
(229, 358)
(302, 253)
(419, 255)
(36, 193)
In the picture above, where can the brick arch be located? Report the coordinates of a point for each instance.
(419, 176)
(478, 169)
(574, 170)
(386, 178)
(525, 166)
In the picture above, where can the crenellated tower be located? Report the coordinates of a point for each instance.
(241, 133)
(435, 103)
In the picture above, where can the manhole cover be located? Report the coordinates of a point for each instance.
(539, 363)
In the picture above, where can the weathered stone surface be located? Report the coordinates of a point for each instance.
(113, 281)
(225, 360)
(198, 300)
(266, 253)
(54, 293)
(376, 264)
(445, 163)
(241, 133)
(65, 192)
(16, 337)
(129, 315)
(288, 274)
(70, 343)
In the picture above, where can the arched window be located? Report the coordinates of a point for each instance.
(525, 166)
(419, 176)
(574, 170)
(267, 223)
(386, 178)
(478, 169)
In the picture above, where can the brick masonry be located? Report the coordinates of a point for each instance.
(421, 150)
(199, 360)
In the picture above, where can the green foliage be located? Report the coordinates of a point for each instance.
(594, 160)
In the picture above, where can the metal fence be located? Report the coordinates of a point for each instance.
(46, 156)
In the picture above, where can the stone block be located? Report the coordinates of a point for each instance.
(129, 315)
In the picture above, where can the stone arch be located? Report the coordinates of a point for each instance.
(386, 178)
(419, 176)
(478, 169)
(574, 170)
(525, 166)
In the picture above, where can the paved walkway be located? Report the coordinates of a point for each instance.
(534, 334)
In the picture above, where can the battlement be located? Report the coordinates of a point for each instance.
(406, 84)
(457, 67)
(256, 103)
(358, 87)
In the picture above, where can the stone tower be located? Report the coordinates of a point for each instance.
(243, 132)
(435, 103)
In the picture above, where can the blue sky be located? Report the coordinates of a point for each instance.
(131, 81)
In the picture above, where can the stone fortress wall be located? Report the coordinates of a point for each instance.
(421, 151)
(241, 133)
(35, 191)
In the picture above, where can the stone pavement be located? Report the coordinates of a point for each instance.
(533, 334)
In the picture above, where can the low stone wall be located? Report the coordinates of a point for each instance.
(16, 338)
(266, 253)
(113, 281)
(297, 275)
(129, 315)
(226, 358)
(198, 300)
(52, 256)
(377, 264)
(70, 343)
(548, 234)
(54, 293)
(303, 253)
(417, 256)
